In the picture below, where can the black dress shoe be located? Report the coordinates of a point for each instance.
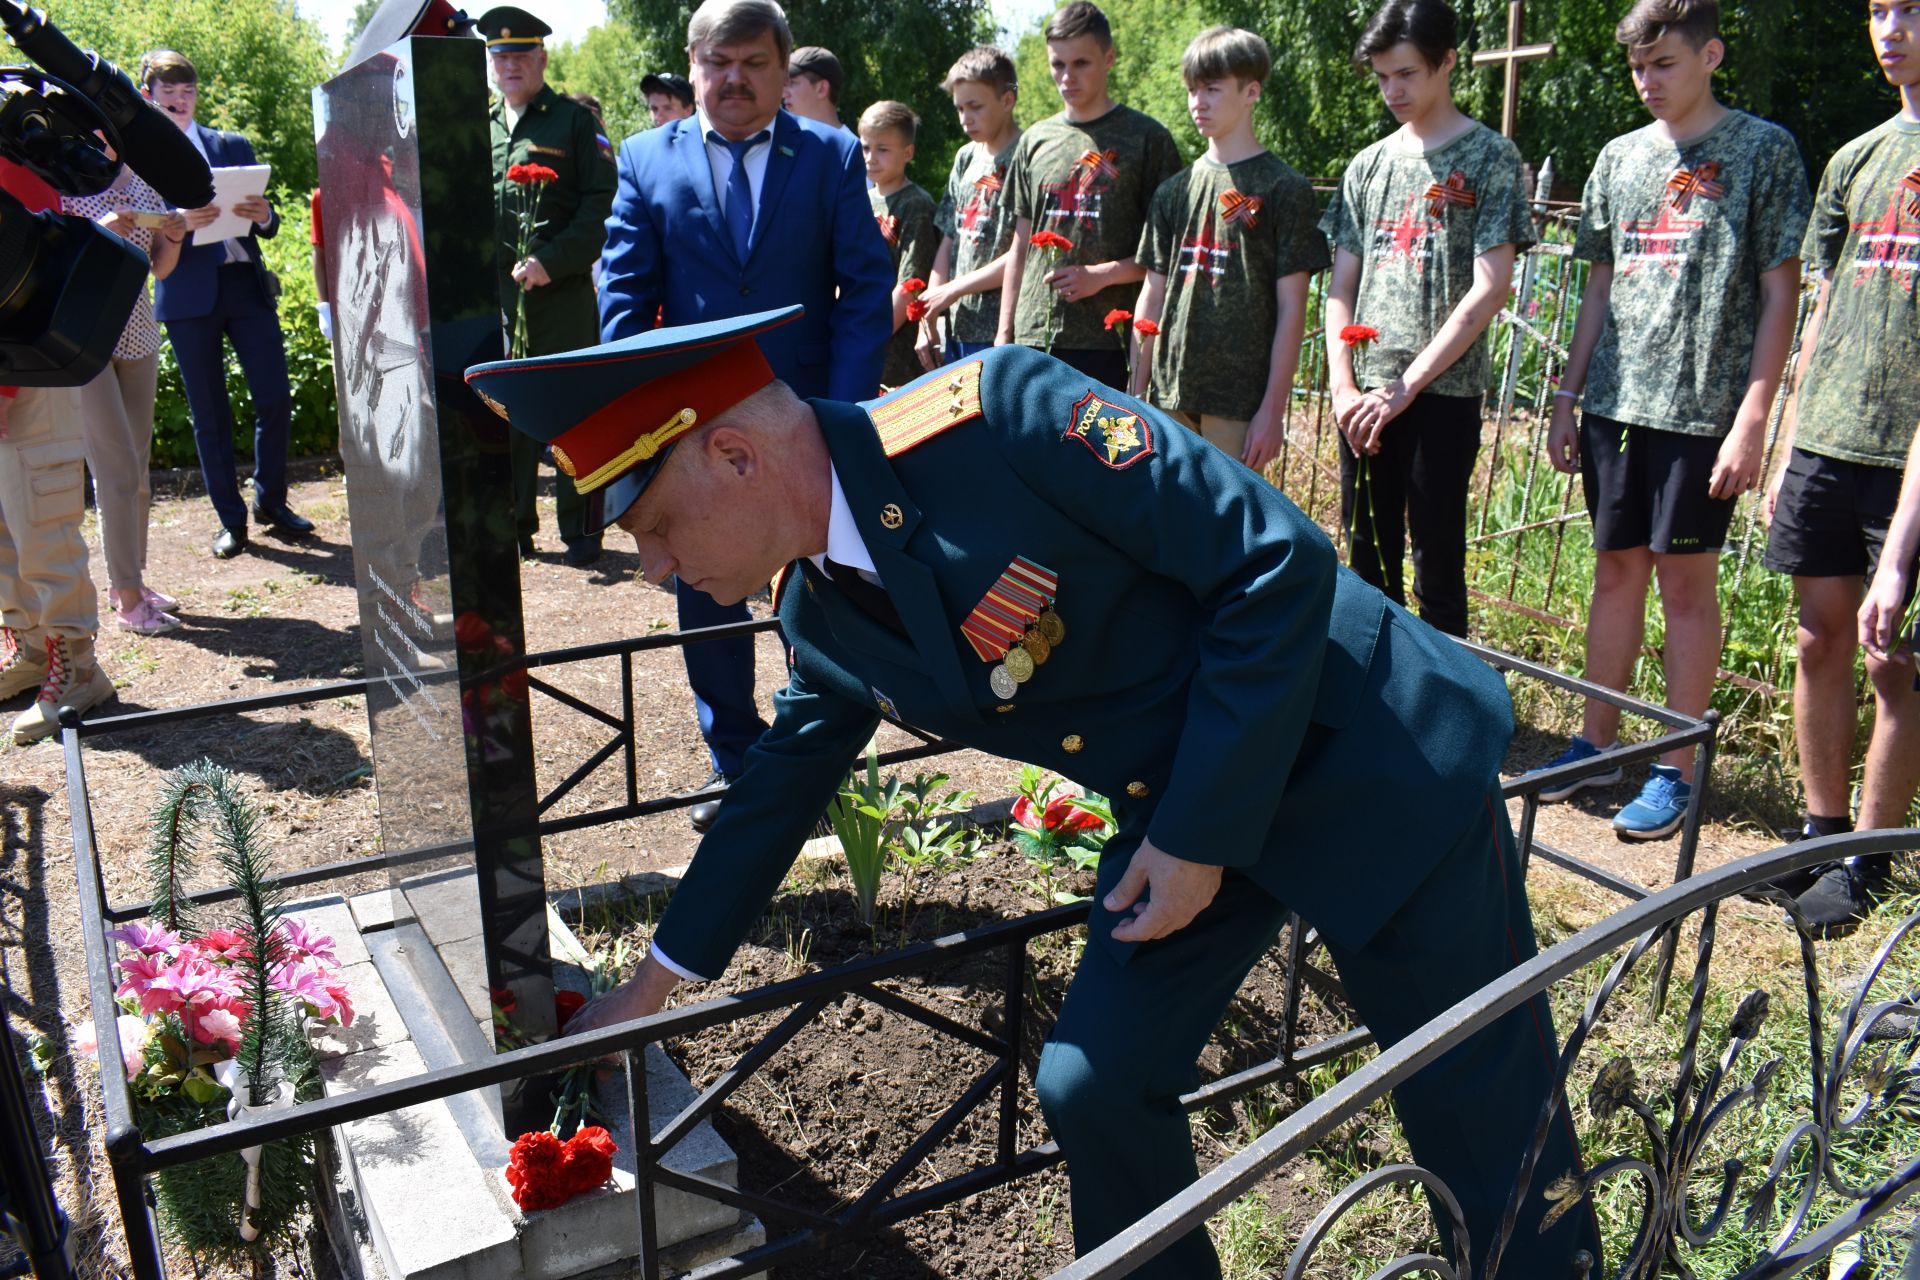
(526, 547)
(284, 520)
(582, 553)
(229, 543)
(1840, 899)
(704, 814)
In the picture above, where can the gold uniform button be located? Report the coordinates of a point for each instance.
(1004, 707)
(891, 517)
(1072, 743)
(1136, 789)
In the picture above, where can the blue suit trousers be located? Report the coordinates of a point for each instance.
(244, 316)
(1124, 1050)
(721, 673)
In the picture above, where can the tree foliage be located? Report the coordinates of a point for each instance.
(893, 50)
(609, 64)
(257, 60)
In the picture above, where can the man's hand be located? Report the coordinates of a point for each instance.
(637, 997)
(256, 210)
(1880, 615)
(530, 274)
(1075, 283)
(1737, 468)
(1177, 891)
(198, 218)
(1265, 432)
(1563, 438)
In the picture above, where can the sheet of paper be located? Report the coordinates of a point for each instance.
(230, 187)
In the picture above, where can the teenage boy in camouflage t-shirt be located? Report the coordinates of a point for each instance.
(904, 212)
(1086, 174)
(975, 225)
(1228, 249)
(1831, 505)
(1425, 226)
(1693, 227)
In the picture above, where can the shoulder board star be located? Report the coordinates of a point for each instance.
(920, 412)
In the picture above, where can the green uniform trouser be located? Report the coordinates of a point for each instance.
(570, 508)
(1124, 1050)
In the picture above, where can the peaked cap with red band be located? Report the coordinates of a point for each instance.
(396, 20)
(613, 413)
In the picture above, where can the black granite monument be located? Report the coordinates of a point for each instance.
(408, 242)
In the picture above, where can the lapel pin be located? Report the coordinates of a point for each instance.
(787, 152)
(891, 516)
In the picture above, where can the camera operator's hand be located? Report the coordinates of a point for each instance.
(175, 228)
(256, 210)
(120, 222)
(198, 218)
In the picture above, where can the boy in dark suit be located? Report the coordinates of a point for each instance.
(222, 290)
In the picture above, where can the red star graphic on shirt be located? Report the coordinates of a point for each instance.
(1890, 243)
(1205, 256)
(1410, 236)
(1069, 202)
(1660, 243)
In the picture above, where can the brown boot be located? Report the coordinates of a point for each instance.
(23, 663)
(73, 679)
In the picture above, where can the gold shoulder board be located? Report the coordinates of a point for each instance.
(907, 418)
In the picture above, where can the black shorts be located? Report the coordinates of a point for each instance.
(1832, 516)
(1648, 488)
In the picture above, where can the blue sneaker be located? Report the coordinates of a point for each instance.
(1659, 808)
(1578, 749)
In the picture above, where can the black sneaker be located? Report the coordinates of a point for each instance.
(1794, 883)
(1843, 896)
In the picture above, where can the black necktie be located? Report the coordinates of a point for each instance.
(871, 600)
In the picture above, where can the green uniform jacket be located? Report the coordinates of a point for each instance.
(570, 219)
(1241, 698)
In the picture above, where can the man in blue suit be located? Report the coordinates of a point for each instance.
(741, 208)
(222, 289)
(1013, 556)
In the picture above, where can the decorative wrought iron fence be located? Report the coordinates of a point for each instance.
(134, 1158)
(1769, 1198)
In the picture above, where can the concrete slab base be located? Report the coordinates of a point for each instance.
(416, 1198)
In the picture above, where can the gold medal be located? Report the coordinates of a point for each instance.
(1002, 683)
(1036, 646)
(1051, 627)
(1019, 664)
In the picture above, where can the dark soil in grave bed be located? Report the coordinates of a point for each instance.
(853, 1090)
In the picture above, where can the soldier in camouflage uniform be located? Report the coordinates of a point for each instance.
(533, 125)
(1425, 226)
(1693, 226)
(1832, 505)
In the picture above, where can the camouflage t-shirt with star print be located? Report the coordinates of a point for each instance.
(1861, 394)
(974, 214)
(1418, 220)
(1090, 181)
(1223, 235)
(1689, 228)
(905, 219)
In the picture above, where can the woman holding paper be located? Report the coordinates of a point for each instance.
(117, 406)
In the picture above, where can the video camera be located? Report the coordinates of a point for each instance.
(66, 284)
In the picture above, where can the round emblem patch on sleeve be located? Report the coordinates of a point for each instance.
(1116, 436)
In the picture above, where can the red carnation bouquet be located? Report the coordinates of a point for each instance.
(530, 180)
(545, 1172)
(916, 309)
(1056, 246)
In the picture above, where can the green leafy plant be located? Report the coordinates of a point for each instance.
(861, 815)
(929, 838)
(1055, 829)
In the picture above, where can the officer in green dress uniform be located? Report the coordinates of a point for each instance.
(533, 125)
(1014, 557)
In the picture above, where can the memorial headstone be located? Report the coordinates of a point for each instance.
(408, 243)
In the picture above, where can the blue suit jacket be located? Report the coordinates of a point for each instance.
(1243, 699)
(668, 247)
(193, 286)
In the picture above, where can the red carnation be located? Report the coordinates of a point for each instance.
(527, 174)
(1051, 240)
(588, 1160)
(470, 630)
(914, 285)
(1147, 327)
(565, 1005)
(514, 684)
(1117, 316)
(916, 311)
(534, 1170)
(1355, 334)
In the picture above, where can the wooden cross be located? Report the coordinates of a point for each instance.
(1510, 59)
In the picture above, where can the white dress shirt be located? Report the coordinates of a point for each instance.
(235, 253)
(844, 546)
